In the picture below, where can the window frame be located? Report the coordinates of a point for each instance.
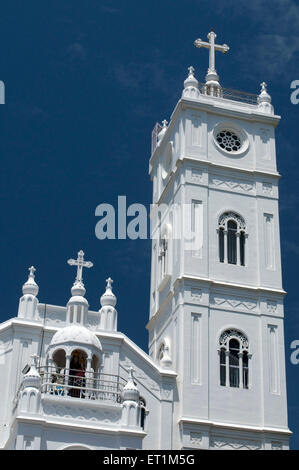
(228, 377)
(231, 241)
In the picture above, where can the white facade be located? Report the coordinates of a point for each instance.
(215, 374)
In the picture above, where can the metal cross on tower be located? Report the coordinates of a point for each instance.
(212, 48)
(80, 263)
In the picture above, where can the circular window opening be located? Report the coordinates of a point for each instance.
(229, 141)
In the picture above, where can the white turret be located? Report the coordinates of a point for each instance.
(264, 100)
(131, 406)
(191, 85)
(108, 319)
(28, 302)
(29, 399)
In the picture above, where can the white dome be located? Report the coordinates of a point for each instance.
(76, 334)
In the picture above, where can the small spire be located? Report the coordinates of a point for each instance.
(264, 100)
(32, 378)
(162, 131)
(191, 85)
(30, 286)
(108, 298)
(34, 360)
(131, 371)
(264, 96)
(191, 71)
(130, 391)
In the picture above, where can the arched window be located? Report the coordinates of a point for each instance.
(234, 356)
(231, 236)
(164, 252)
(143, 412)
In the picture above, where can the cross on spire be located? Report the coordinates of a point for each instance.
(31, 271)
(212, 48)
(191, 70)
(80, 263)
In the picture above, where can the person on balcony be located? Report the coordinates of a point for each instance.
(77, 374)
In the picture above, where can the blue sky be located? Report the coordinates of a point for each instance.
(85, 84)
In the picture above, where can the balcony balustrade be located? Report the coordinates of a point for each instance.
(81, 384)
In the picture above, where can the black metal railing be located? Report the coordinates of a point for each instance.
(81, 384)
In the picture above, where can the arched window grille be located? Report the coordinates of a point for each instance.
(234, 359)
(231, 238)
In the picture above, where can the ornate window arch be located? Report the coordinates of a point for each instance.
(234, 359)
(232, 234)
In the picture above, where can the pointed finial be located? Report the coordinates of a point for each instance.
(264, 97)
(30, 286)
(108, 298)
(32, 377)
(130, 391)
(191, 85)
(131, 372)
(191, 70)
(34, 358)
(31, 271)
(162, 131)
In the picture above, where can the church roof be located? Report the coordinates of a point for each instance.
(76, 334)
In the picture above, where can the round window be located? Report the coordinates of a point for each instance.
(229, 141)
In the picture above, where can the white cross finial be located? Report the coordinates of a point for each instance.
(34, 357)
(109, 283)
(131, 372)
(212, 48)
(191, 70)
(164, 122)
(264, 86)
(31, 271)
(80, 263)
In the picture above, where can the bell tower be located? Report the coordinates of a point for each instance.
(216, 301)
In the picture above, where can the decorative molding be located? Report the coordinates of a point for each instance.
(240, 303)
(268, 189)
(167, 392)
(196, 175)
(56, 318)
(276, 445)
(271, 306)
(196, 294)
(227, 334)
(236, 444)
(93, 323)
(226, 216)
(225, 183)
(81, 414)
(195, 438)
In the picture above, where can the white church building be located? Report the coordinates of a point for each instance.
(214, 377)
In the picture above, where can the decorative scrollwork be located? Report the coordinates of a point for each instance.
(226, 216)
(228, 334)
